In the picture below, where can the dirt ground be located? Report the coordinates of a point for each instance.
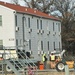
(55, 73)
(46, 73)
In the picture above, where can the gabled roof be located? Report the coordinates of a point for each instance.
(27, 10)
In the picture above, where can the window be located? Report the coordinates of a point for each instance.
(47, 26)
(54, 44)
(37, 24)
(20, 42)
(59, 45)
(16, 20)
(48, 45)
(29, 22)
(16, 42)
(1, 44)
(29, 44)
(23, 27)
(41, 45)
(58, 26)
(74, 14)
(40, 24)
(0, 20)
(53, 26)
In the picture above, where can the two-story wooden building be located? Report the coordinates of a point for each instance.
(28, 29)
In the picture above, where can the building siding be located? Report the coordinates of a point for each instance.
(23, 35)
(7, 29)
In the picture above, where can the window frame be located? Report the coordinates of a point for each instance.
(16, 20)
(1, 44)
(40, 24)
(29, 22)
(48, 45)
(37, 24)
(59, 27)
(41, 45)
(17, 42)
(53, 26)
(54, 44)
(29, 44)
(59, 45)
(0, 20)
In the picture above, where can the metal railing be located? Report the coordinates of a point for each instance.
(21, 63)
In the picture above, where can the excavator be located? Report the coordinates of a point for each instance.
(61, 61)
(60, 64)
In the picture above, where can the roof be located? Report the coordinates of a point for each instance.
(27, 10)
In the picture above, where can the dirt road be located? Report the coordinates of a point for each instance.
(47, 73)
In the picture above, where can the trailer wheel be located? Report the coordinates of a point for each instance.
(8, 68)
(60, 66)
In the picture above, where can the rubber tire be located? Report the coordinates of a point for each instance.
(60, 70)
(8, 68)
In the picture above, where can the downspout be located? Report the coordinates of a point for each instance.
(23, 30)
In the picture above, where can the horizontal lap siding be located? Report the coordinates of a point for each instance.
(7, 30)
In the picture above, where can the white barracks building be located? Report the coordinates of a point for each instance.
(28, 29)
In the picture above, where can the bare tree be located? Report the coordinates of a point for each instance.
(14, 1)
(42, 5)
(68, 22)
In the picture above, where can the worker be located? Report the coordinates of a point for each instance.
(52, 60)
(44, 58)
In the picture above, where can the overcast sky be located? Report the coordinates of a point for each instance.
(6, 0)
(21, 2)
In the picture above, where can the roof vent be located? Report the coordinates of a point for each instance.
(34, 11)
(26, 9)
(4, 2)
